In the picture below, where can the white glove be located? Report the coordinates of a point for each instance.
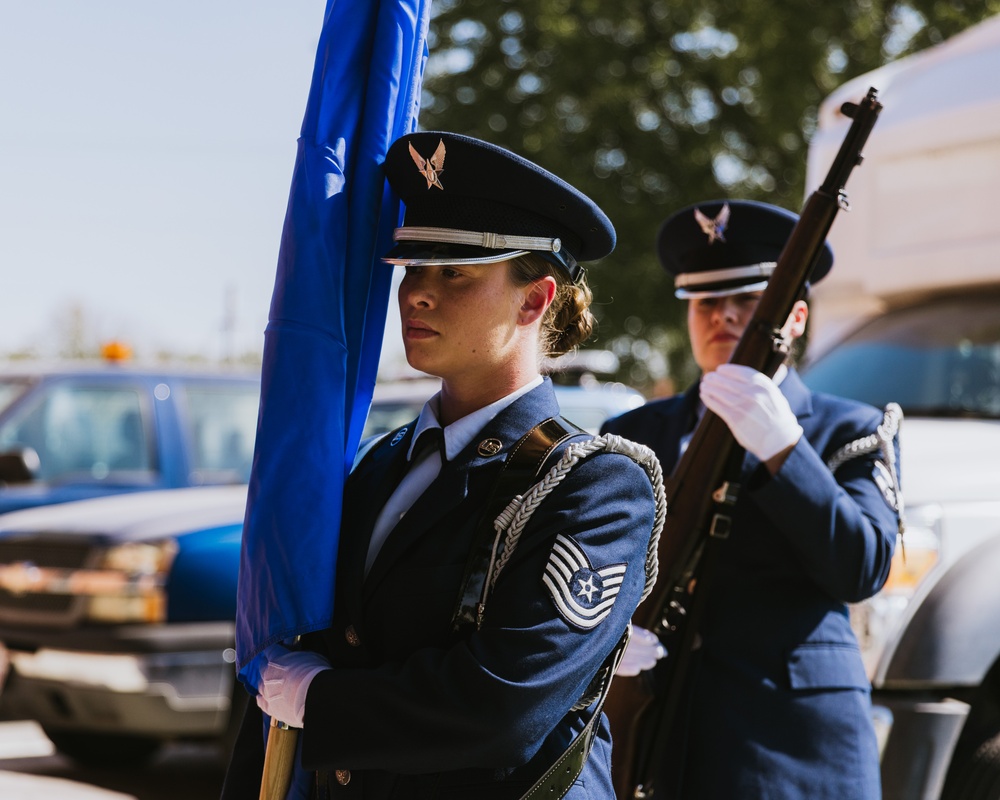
(284, 681)
(753, 407)
(641, 653)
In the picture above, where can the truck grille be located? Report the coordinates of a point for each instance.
(24, 607)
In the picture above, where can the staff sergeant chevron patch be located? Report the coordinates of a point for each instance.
(583, 595)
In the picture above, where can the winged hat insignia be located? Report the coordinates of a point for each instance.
(715, 227)
(431, 168)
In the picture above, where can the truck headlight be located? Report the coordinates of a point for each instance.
(877, 620)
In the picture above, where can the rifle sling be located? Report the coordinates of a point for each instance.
(521, 469)
(662, 753)
(559, 778)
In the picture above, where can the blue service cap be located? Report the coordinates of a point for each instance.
(471, 202)
(723, 247)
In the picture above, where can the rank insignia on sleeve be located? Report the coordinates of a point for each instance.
(583, 595)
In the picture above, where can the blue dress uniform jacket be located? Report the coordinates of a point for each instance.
(410, 710)
(780, 702)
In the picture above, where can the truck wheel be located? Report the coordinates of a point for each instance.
(104, 749)
(977, 777)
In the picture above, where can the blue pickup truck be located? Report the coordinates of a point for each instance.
(116, 613)
(112, 436)
(75, 431)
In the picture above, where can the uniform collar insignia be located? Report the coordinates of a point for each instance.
(489, 447)
(432, 167)
(713, 228)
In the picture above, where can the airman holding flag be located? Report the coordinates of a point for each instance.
(484, 583)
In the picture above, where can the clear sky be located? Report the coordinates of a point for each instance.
(146, 151)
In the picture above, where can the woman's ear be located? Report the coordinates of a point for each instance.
(538, 296)
(796, 324)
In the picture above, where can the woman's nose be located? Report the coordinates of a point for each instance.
(726, 310)
(414, 291)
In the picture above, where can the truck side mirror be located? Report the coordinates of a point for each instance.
(19, 465)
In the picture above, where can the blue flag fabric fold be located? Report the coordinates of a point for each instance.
(328, 311)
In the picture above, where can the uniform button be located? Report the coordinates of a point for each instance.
(352, 636)
(343, 776)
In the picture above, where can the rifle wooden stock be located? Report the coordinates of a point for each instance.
(700, 491)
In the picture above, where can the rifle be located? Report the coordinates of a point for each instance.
(701, 492)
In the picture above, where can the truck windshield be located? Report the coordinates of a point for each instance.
(10, 390)
(940, 358)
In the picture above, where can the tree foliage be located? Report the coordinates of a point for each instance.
(648, 105)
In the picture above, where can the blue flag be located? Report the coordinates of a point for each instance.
(328, 311)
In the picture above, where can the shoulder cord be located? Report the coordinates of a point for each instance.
(513, 519)
(524, 463)
(559, 778)
(880, 441)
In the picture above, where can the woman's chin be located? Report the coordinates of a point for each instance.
(420, 362)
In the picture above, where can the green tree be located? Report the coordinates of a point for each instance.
(648, 105)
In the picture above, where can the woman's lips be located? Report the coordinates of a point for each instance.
(415, 329)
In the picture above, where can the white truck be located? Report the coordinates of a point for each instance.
(911, 313)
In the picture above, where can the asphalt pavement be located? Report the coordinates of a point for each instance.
(31, 769)
(16, 786)
(25, 741)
